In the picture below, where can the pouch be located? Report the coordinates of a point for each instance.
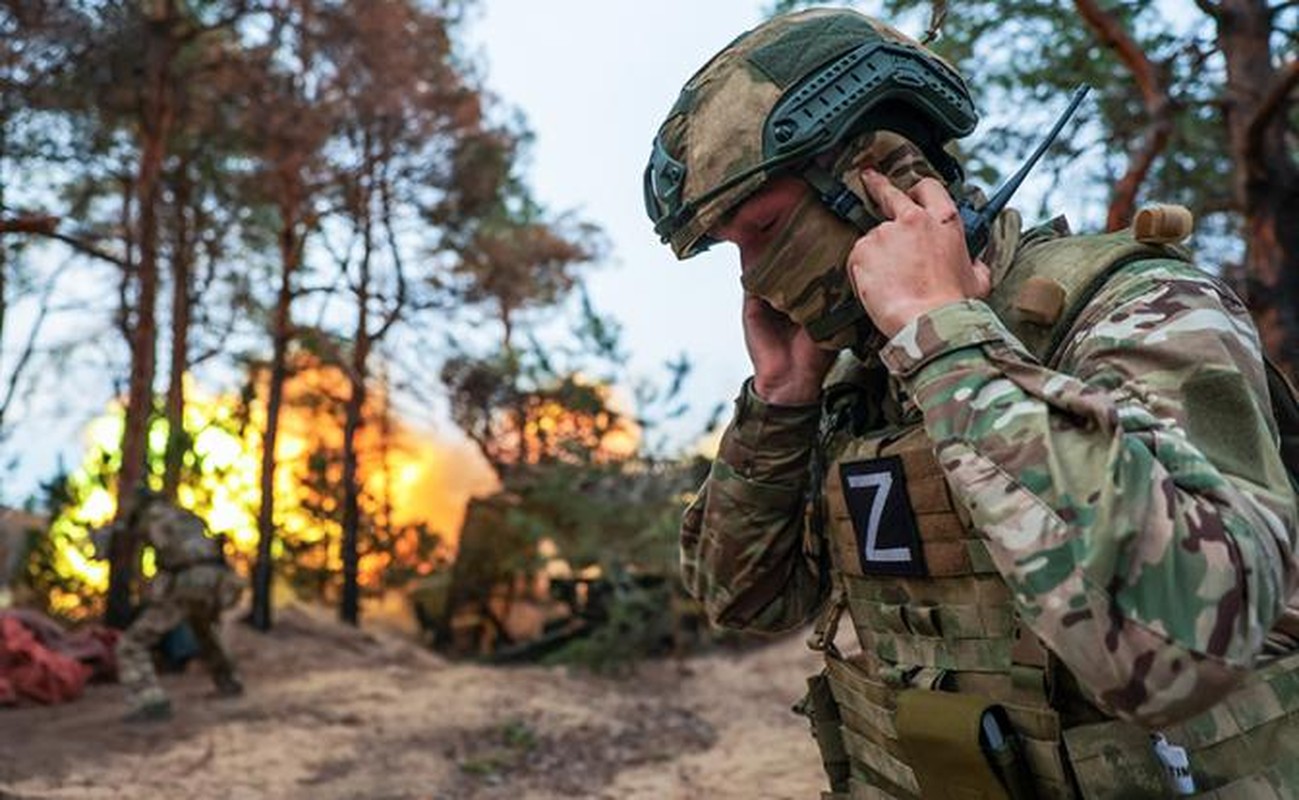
(942, 735)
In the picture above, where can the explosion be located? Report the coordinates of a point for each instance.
(413, 493)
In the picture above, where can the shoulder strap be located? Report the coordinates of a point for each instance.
(1054, 277)
(1052, 280)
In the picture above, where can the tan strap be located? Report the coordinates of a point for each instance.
(1163, 224)
(956, 590)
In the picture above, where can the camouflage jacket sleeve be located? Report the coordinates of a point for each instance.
(1133, 498)
(743, 547)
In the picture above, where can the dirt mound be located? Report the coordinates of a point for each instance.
(307, 638)
(336, 712)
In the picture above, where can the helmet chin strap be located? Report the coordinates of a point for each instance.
(836, 196)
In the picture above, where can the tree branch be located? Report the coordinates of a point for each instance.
(88, 249)
(1112, 34)
(47, 227)
(29, 347)
(385, 199)
(1155, 98)
(42, 225)
(1274, 99)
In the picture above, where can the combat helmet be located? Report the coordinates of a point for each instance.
(803, 95)
(782, 95)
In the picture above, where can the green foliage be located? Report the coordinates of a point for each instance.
(613, 515)
(47, 582)
(639, 619)
(61, 568)
(621, 520)
(351, 145)
(581, 475)
(518, 735)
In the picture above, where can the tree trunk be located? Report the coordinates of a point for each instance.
(155, 128)
(4, 245)
(281, 335)
(524, 453)
(385, 445)
(182, 263)
(350, 609)
(1265, 181)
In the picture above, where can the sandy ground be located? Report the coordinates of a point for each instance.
(333, 712)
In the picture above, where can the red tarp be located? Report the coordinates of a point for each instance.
(41, 661)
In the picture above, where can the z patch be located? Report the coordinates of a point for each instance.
(888, 542)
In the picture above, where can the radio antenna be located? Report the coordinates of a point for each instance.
(978, 224)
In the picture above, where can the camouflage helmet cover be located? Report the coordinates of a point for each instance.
(791, 88)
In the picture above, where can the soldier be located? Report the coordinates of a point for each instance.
(194, 584)
(1042, 478)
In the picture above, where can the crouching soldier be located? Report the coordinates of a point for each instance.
(193, 584)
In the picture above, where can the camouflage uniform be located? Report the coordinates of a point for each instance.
(1130, 495)
(1066, 499)
(193, 584)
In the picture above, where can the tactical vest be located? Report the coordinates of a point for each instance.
(950, 695)
(180, 539)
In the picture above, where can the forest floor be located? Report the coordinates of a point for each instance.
(336, 712)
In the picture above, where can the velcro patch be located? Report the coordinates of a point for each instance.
(887, 539)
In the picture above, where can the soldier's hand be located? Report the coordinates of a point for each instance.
(915, 261)
(788, 367)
